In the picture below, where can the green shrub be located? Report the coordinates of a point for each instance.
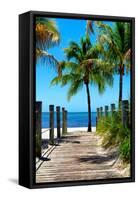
(109, 128)
(125, 149)
(115, 134)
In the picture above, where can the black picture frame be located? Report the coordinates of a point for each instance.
(27, 98)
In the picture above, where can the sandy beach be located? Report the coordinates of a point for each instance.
(45, 131)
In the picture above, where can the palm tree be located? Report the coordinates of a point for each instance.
(84, 67)
(117, 43)
(47, 36)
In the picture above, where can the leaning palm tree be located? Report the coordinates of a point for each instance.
(47, 36)
(117, 43)
(84, 67)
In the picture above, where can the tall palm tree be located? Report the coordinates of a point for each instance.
(117, 43)
(47, 36)
(84, 67)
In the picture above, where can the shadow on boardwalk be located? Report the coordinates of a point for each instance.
(99, 159)
(76, 157)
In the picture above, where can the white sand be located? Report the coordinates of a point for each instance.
(45, 131)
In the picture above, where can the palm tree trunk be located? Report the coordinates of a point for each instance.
(89, 107)
(120, 85)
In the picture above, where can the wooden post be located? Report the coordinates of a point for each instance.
(97, 117)
(58, 121)
(51, 123)
(98, 114)
(125, 113)
(63, 120)
(112, 109)
(96, 121)
(38, 108)
(101, 111)
(106, 111)
(130, 113)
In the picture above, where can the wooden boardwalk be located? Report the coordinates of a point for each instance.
(76, 157)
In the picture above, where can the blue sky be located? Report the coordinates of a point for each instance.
(73, 30)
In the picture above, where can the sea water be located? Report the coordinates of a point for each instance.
(74, 119)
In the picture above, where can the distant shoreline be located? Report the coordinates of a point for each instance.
(70, 112)
(45, 131)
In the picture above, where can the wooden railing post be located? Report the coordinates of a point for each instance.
(106, 111)
(58, 121)
(63, 120)
(51, 123)
(101, 111)
(125, 113)
(112, 109)
(98, 114)
(38, 108)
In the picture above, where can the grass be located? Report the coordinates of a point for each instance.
(114, 134)
(124, 149)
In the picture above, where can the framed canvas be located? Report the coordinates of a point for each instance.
(76, 99)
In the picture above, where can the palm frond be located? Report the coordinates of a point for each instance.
(85, 44)
(73, 51)
(56, 80)
(47, 34)
(127, 55)
(99, 81)
(89, 27)
(74, 88)
(117, 42)
(46, 58)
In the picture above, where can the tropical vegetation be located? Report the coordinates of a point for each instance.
(114, 134)
(116, 41)
(47, 36)
(84, 66)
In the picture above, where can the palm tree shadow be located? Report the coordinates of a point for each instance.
(45, 158)
(99, 159)
(44, 144)
(69, 139)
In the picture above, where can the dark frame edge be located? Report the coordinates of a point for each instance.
(133, 101)
(25, 131)
(81, 15)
